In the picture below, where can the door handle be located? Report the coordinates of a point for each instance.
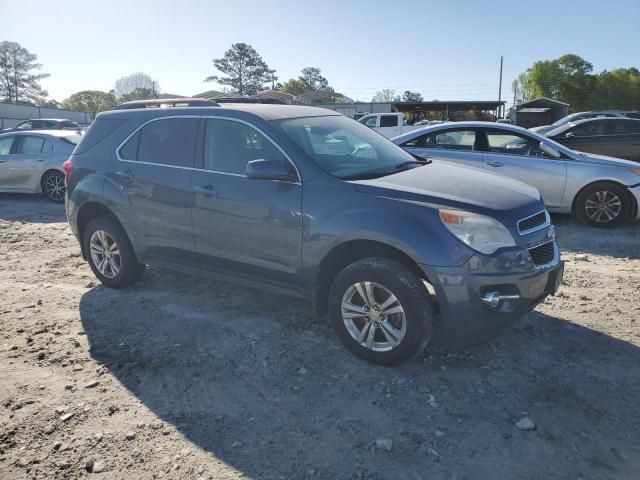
(495, 164)
(207, 190)
(126, 174)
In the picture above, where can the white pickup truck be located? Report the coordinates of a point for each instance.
(388, 124)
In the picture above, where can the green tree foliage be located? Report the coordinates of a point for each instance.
(408, 96)
(137, 86)
(312, 77)
(18, 82)
(92, 101)
(295, 87)
(618, 89)
(570, 79)
(244, 70)
(386, 95)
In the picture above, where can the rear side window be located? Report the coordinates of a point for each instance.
(5, 144)
(622, 127)
(30, 145)
(389, 121)
(100, 129)
(169, 141)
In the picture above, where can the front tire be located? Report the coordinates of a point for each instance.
(110, 254)
(603, 205)
(53, 186)
(381, 311)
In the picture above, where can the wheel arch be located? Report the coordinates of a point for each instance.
(348, 252)
(632, 199)
(90, 211)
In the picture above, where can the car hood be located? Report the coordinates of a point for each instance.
(441, 184)
(604, 160)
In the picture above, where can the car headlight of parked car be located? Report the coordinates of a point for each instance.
(482, 233)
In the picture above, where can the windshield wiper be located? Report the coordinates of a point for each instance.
(401, 167)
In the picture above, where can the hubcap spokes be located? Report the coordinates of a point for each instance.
(603, 207)
(105, 253)
(55, 187)
(373, 316)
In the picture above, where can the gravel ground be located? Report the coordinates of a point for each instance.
(182, 377)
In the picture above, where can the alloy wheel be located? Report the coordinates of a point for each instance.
(55, 188)
(105, 254)
(373, 316)
(603, 206)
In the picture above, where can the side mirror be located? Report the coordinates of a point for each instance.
(549, 150)
(269, 170)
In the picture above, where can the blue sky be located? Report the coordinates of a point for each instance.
(443, 49)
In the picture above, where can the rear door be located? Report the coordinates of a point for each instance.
(519, 156)
(455, 145)
(251, 228)
(154, 169)
(23, 165)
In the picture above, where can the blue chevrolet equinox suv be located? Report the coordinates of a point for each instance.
(399, 251)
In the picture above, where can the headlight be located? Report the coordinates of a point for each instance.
(482, 233)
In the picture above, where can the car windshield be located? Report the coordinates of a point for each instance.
(347, 149)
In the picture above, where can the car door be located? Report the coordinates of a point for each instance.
(153, 169)
(455, 145)
(623, 137)
(23, 165)
(589, 137)
(6, 144)
(243, 226)
(518, 155)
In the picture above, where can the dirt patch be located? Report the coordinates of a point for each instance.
(182, 377)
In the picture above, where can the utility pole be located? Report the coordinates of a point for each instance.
(500, 88)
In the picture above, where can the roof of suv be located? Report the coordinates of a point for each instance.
(264, 111)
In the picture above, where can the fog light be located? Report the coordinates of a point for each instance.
(494, 298)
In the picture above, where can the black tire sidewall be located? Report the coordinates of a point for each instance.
(411, 294)
(130, 268)
(584, 195)
(44, 186)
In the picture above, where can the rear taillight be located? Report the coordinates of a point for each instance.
(68, 170)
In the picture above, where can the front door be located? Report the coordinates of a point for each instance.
(154, 169)
(243, 226)
(519, 156)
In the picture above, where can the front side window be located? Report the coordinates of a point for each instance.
(30, 145)
(230, 145)
(346, 149)
(369, 121)
(25, 126)
(5, 144)
(71, 126)
(588, 129)
(168, 141)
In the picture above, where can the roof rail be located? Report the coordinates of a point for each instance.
(167, 102)
(270, 101)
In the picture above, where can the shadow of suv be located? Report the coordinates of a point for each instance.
(398, 251)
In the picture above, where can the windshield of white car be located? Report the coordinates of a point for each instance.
(347, 149)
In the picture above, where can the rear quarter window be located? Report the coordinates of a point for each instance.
(100, 129)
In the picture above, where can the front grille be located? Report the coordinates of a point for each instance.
(532, 222)
(542, 254)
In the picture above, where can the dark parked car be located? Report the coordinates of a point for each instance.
(44, 124)
(614, 137)
(303, 201)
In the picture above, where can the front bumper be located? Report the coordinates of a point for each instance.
(465, 318)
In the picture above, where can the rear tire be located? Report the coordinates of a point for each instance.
(110, 254)
(368, 320)
(603, 205)
(53, 186)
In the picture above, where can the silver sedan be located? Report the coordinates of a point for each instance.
(598, 190)
(31, 162)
